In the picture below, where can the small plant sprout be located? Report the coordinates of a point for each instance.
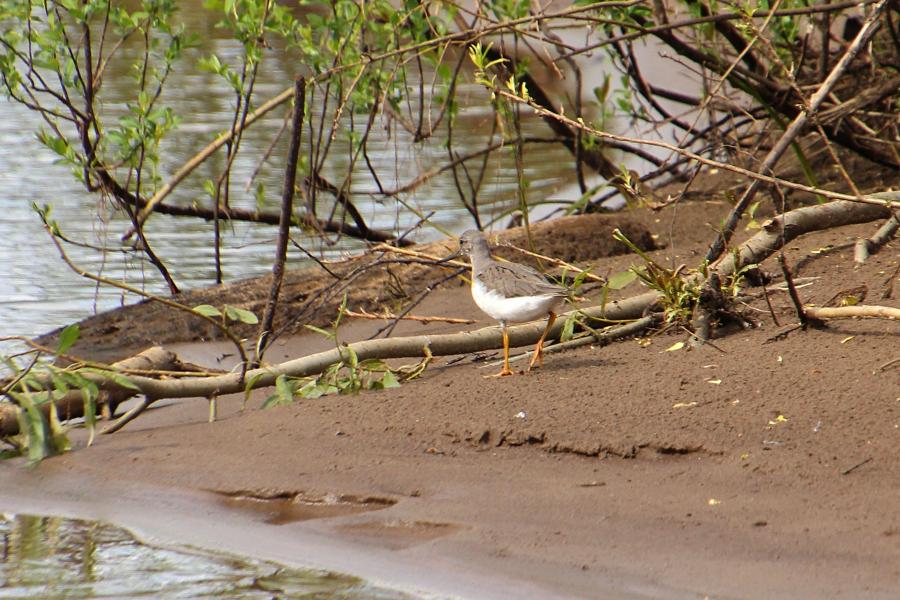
(679, 294)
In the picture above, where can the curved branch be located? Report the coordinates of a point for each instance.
(780, 230)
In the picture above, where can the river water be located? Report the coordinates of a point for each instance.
(39, 292)
(54, 557)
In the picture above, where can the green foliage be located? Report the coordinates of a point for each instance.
(45, 64)
(36, 389)
(68, 337)
(679, 294)
(479, 56)
(227, 313)
(619, 280)
(348, 377)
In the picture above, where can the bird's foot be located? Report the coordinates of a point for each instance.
(536, 360)
(506, 371)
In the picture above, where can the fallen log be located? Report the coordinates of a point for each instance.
(780, 230)
(487, 338)
(71, 404)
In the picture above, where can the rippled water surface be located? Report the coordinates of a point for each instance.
(52, 557)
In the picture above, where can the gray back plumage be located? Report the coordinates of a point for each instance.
(512, 280)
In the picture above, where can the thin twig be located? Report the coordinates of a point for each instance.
(856, 466)
(287, 205)
(792, 290)
(386, 316)
(559, 263)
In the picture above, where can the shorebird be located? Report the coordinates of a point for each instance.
(510, 293)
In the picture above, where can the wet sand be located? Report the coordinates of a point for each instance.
(758, 467)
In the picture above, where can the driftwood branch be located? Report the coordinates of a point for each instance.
(71, 404)
(850, 312)
(866, 246)
(782, 229)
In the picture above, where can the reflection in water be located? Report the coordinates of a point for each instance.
(40, 292)
(52, 557)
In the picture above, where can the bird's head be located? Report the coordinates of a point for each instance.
(471, 243)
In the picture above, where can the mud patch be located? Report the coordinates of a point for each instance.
(396, 535)
(623, 449)
(282, 507)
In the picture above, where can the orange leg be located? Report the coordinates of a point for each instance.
(539, 349)
(505, 370)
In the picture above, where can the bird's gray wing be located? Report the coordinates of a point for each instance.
(515, 280)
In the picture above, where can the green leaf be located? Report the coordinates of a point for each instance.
(210, 64)
(68, 337)
(207, 310)
(117, 378)
(601, 93)
(250, 385)
(284, 389)
(123, 381)
(389, 380)
(234, 313)
(59, 441)
(568, 328)
(260, 196)
(284, 392)
(619, 280)
(353, 361)
(311, 390)
(33, 425)
(210, 187)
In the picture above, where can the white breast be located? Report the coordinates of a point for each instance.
(514, 310)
